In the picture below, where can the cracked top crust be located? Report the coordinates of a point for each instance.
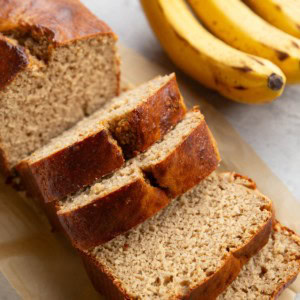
(13, 59)
(49, 23)
(59, 21)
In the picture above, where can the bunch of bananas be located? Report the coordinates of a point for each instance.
(242, 56)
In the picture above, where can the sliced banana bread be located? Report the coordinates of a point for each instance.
(192, 249)
(94, 147)
(58, 63)
(147, 183)
(270, 271)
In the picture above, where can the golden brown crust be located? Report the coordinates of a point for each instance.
(278, 227)
(280, 289)
(193, 160)
(71, 168)
(102, 280)
(105, 283)
(57, 21)
(113, 214)
(48, 208)
(212, 287)
(13, 59)
(151, 120)
(219, 281)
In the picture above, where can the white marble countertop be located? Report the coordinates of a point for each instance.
(272, 130)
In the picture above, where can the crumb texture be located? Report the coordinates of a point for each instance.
(47, 98)
(101, 188)
(159, 151)
(273, 267)
(103, 119)
(170, 254)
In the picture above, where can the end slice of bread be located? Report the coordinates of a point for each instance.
(192, 249)
(61, 64)
(99, 144)
(270, 271)
(184, 157)
(116, 204)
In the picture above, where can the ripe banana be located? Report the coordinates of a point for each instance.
(240, 27)
(284, 14)
(234, 74)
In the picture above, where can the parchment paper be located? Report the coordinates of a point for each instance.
(42, 265)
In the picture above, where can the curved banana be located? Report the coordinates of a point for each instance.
(284, 14)
(236, 24)
(234, 74)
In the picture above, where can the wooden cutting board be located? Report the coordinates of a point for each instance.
(42, 265)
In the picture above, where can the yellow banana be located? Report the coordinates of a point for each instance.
(234, 74)
(240, 27)
(284, 14)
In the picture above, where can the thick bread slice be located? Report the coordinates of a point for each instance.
(59, 63)
(127, 199)
(114, 205)
(192, 249)
(67, 170)
(270, 271)
(182, 167)
(89, 150)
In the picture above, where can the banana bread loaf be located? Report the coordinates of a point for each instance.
(192, 249)
(98, 145)
(270, 271)
(145, 185)
(58, 63)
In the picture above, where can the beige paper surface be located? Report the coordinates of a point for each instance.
(42, 265)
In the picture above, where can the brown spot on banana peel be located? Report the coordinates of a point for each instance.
(295, 44)
(278, 7)
(281, 55)
(256, 60)
(244, 69)
(183, 39)
(275, 82)
(180, 37)
(240, 88)
(177, 34)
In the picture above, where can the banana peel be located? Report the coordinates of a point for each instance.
(237, 25)
(234, 74)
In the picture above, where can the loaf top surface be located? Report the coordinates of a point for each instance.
(173, 253)
(50, 23)
(58, 21)
(15, 59)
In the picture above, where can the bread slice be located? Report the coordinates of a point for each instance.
(96, 146)
(60, 64)
(192, 249)
(144, 186)
(270, 271)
